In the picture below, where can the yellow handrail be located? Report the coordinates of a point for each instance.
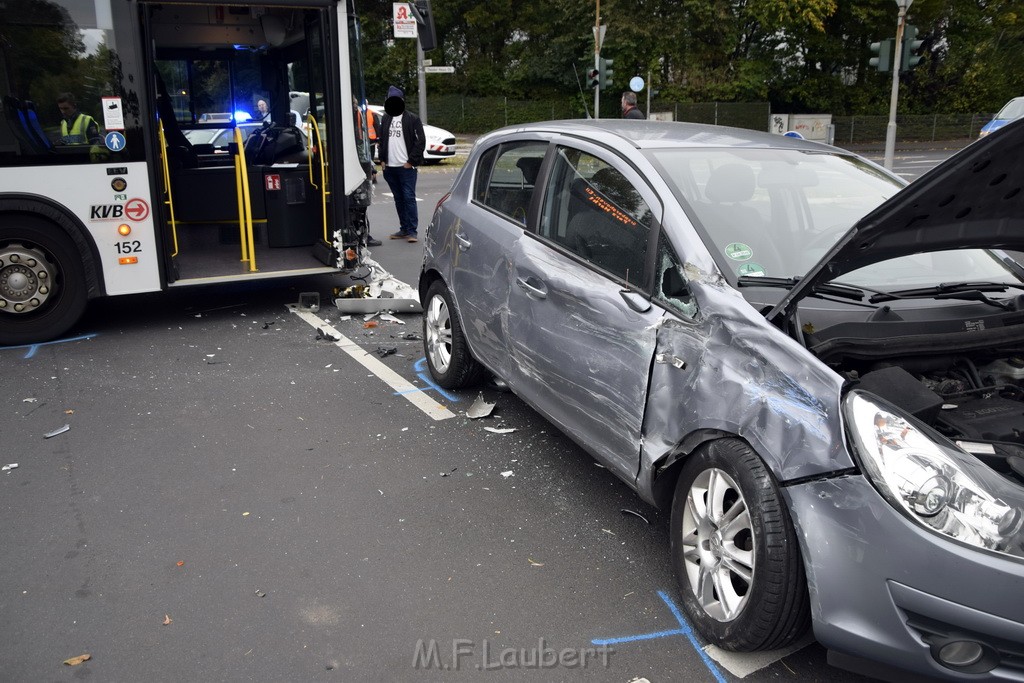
(242, 237)
(242, 175)
(322, 154)
(167, 188)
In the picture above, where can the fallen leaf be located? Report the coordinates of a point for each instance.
(75, 661)
(167, 619)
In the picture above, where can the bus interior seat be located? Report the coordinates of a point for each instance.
(276, 144)
(23, 121)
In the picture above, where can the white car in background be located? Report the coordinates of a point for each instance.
(440, 142)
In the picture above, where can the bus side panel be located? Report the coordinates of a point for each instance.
(129, 263)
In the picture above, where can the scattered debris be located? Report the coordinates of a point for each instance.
(267, 325)
(245, 514)
(534, 563)
(384, 351)
(320, 334)
(635, 513)
(507, 473)
(29, 400)
(168, 620)
(8, 468)
(500, 430)
(55, 432)
(69, 411)
(260, 594)
(480, 408)
(370, 323)
(609, 531)
(445, 474)
(391, 319)
(309, 301)
(75, 661)
(380, 492)
(412, 336)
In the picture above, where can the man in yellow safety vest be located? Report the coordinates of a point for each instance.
(76, 128)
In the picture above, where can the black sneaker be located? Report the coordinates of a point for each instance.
(370, 242)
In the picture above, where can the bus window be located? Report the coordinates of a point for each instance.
(59, 85)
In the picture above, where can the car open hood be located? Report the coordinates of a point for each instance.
(975, 199)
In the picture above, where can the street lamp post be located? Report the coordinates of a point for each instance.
(890, 130)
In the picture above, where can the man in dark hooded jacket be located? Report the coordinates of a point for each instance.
(402, 142)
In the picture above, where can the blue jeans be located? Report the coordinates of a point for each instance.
(402, 182)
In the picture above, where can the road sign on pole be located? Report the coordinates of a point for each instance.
(405, 22)
(439, 69)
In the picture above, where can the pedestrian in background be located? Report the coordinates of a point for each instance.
(629, 108)
(402, 143)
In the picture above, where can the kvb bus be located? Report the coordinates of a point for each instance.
(166, 185)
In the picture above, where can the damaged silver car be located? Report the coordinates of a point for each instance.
(818, 369)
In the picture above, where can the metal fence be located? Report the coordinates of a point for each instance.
(473, 115)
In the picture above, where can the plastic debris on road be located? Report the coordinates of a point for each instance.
(309, 302)
(384, 351)
(8, 468)
(507, 473)
(384, 293)
(75, 661)
(55, 432)
(627, 511)
(480, 408)
(500, 430)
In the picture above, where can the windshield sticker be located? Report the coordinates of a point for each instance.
(755, 269)
(738, 251)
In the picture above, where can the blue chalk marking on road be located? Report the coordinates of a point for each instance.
(683, 630)
(32, 348)
(418, 367)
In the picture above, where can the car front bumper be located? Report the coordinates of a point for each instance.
(886, 590)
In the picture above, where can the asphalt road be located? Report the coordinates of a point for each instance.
(238, 499)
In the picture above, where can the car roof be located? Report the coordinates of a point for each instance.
(665, 134)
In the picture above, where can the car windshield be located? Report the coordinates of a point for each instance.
(1014, 109)
(776, 212)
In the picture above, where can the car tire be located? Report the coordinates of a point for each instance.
(41, 273)
(734, 551)
(448, 355)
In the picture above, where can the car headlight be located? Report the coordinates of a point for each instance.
(931, 481)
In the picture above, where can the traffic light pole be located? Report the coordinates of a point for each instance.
(890, 130)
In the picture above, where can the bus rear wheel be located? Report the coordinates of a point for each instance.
(42, 281)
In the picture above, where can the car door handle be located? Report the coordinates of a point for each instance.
(464, 243)
(533, 287)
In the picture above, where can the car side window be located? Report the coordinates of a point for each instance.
(506, 178)
(595, 212)
(670, 284)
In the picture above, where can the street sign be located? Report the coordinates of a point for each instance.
(405, 22)
(439, 69)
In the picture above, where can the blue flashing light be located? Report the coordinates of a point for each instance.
(242, 116)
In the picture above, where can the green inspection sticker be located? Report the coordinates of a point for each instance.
(750, 269)
(738, 251)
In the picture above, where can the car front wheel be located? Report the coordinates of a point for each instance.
(448, 355)
(735, 554)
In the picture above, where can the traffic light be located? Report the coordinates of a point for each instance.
(605, 73)
(908, 60)
(424, 16)
(883, 51)
(592, 78)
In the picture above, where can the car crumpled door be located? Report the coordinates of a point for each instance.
(477, 243)
(581, 329)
